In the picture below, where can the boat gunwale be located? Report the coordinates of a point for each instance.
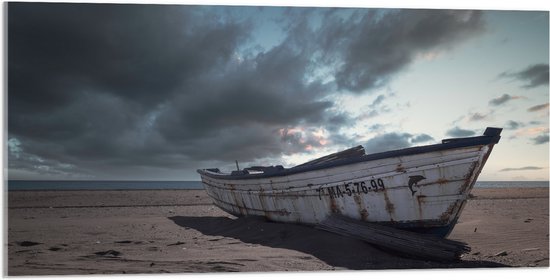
(491, 136)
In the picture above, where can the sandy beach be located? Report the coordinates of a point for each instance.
(178, 231)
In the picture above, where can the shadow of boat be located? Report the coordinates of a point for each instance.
(334, 250)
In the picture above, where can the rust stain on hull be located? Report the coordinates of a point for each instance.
(469, 178)
(420, 201)
(363, 213)
(442, 181)
(451, 210)
(333, 206)
(389, 205)
(400, 168)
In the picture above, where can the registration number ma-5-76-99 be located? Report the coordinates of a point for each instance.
(352, 188)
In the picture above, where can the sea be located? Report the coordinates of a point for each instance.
(15, 185)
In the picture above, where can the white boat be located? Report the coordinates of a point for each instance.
(422, 188)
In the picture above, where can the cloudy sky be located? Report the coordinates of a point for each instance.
(154, 92)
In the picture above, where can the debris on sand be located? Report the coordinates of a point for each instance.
(108, 253)
(501, 254)
(27, 243)
(177, 243)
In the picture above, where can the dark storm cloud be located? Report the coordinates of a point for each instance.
(538, 108)
(387, 142)
(422, 138)
(513, 125)
(541, 139)
(521, 168)
(459, 132)
(502, 99)
(379, 99)
(134, 51)
(393, 141)
(478, 116)
(377, 45)
(376, 127)
(152, 85)
(99, 68)
(19, 159)
(533, 75)
(375, 108)
(254, 102)
(113, 89)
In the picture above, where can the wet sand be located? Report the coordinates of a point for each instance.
(175, 231)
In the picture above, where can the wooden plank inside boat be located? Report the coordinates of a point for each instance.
(357, 151)
(409, 243)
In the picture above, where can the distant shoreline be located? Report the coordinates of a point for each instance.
(201, 189)
(142, 181)
(87, 185)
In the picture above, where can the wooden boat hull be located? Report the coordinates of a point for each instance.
(418, 190)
